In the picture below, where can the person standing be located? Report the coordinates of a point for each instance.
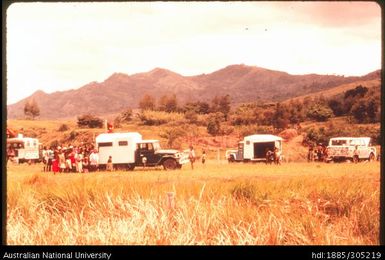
(203, 157)
(94, 161)
(62, 161)
(310, 154)
(355, 155)
(50, 158)
(45, 159)
(109, 164)
(191, 157)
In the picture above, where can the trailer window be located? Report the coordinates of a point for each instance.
(105, 144)
(123, 143)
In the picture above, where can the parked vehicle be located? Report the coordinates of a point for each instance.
(24, 149)
(345, 148)
(254, 148)
(129, 150)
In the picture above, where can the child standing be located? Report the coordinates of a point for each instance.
(109, 164)
(203, 157)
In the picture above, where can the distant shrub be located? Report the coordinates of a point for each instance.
(63, 128)
(149, 117)
(73, 135)
(126, 115)
(191, 116)
(256, 129)
(54, 143)
(172, 134)
(320, 113)
(90, 121)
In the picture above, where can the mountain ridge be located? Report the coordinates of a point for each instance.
(243, 83)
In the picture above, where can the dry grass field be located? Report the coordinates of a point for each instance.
(214, 204)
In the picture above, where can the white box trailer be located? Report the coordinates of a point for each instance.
(255, 147)
(121, 146)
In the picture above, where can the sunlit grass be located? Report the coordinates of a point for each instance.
(214, 204)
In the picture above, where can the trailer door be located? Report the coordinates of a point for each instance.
(260, 149)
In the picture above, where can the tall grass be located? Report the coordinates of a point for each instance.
(215, 204)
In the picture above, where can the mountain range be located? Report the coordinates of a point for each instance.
(120, 91)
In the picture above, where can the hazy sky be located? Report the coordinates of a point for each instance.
(60, 46)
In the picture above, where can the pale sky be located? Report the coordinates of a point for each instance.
(60, 46)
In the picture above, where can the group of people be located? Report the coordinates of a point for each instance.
(273, 156)
(192, 157)
(318, 153)
(70, 159)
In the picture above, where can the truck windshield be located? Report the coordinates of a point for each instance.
(156, 146)
(16, 145)
(357, 142)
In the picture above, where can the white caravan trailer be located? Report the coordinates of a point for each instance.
(25, 149)
(121, 146)
(254, 148)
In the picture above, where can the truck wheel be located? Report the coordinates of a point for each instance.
(169, 164)
(371, 157)
(231, 159)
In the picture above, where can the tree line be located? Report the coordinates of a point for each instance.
(360, 105)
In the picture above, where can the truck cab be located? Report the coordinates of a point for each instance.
(24, 149)
(149, 153)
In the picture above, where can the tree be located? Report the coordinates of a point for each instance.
(224, 105)
(358, 91)
(172, 134)
(199, 107)
(245, 114)
(126, 115)
(168, 103)
(338, 106)
(204, 107)
(147, 103)
(221, 104)
(31, 109)
(359, 111)
(214, 123)
(320, 113)
(373, 110)
(281, 116)
(191, 116)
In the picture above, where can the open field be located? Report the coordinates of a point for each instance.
(215, 204)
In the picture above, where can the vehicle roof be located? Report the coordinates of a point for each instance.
(22, 139)
(105, 137)
(262, 138)
(350, 138)
(148, 141)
